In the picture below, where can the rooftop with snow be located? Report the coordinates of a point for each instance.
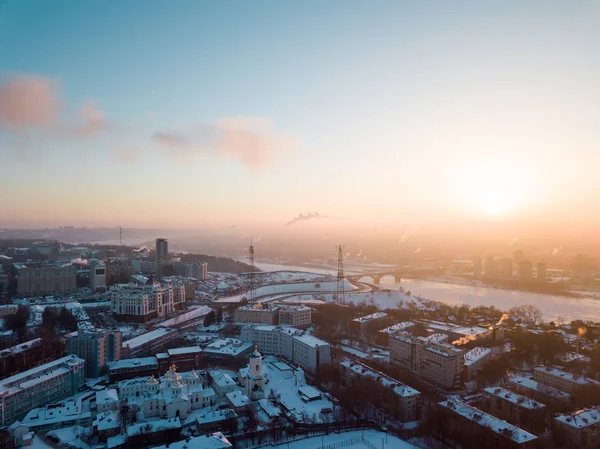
(517, 399)
(397, 387)
(147, 337)
(581, 418)
(496, 425)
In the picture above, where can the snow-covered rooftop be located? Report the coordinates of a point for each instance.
(238, 399)
(54, 366)
(216, 416)
(153, 426)
(184, 317)
(227, 346)
(214, 441)
(571, 377)
(399, 388)
(373, 316)
(185, 350)
(397, 327)
(517, 399)
(476, 354)
(531, 384)
(107, 396)
(133, 363)
(496, 425)
(581, 418)
(147, 337)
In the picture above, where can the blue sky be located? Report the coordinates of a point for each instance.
(408, 109)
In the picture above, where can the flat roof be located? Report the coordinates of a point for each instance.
(515, 398)
(185, 350)
(373, 316)
(398, 387)
(581, 418)
(147, 337)
(496, 425)
(397, 327)
(531, 384)
(476, 354)
(133, 363)
(10, 381)
(571, 377)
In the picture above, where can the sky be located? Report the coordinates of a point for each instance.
(190, 114)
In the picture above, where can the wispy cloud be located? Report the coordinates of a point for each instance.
(251, 140)
(31, 102)
(128, 154)
(305, 217)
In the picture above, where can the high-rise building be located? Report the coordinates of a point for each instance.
(162, 249)
(97, 348)
(491, 267)
(477, 267)
(506, 268)
(97, 275)
(524, 269)
(45, 279)
(518, 255)
(541, 271)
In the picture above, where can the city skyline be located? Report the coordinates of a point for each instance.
(210, 114)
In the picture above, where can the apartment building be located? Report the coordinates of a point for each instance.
(475, 359)
(361, 324)
(45, 279)
(147, 344)
(39, 386)
(97, 276)
(294, 344)
(8, 309)
(468, 425)
(295, 316)
(198, 270)
(436, 362)
(258, 313)
(402, 403)
(519, 410)
(579, 429)
(383, 336)
(140, 303)
(562, 380)
(185, 359)
(97, 348)
(537, 390)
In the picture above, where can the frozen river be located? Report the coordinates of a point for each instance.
(550, 305)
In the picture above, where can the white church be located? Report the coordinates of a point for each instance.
(174, 396)
(253, 378)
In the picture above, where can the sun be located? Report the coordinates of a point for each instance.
(494, 202)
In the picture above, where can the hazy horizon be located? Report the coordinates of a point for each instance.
(387, 115)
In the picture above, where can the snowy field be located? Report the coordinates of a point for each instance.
(357, 439)
(281, 289)
(383, 300)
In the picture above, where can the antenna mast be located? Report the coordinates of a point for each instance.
(250, 294)
(339, 291)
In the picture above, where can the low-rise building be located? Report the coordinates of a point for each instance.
(537, 390)
(475, 428)
(130, 368)
(374, 321)
(580, 429)
(402, 404)
(294, 344)
(97, 348)
(475, 359)
(519, 410)
(227, 351)
(149, 343)
(562, 380)
(258, 313)
(107, 399)
(383, 336)
(211, 441)
(218, 420)
(191, 318)
(185, 359)
(39, 386)
(60, 414)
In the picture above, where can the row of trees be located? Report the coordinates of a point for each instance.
(213, 317)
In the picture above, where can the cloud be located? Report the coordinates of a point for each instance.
(28, 101)
(251, 140)
(305, 217)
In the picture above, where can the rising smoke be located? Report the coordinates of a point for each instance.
(305, 217)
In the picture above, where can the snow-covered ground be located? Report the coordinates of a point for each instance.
(281, 289)
(357, 439)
